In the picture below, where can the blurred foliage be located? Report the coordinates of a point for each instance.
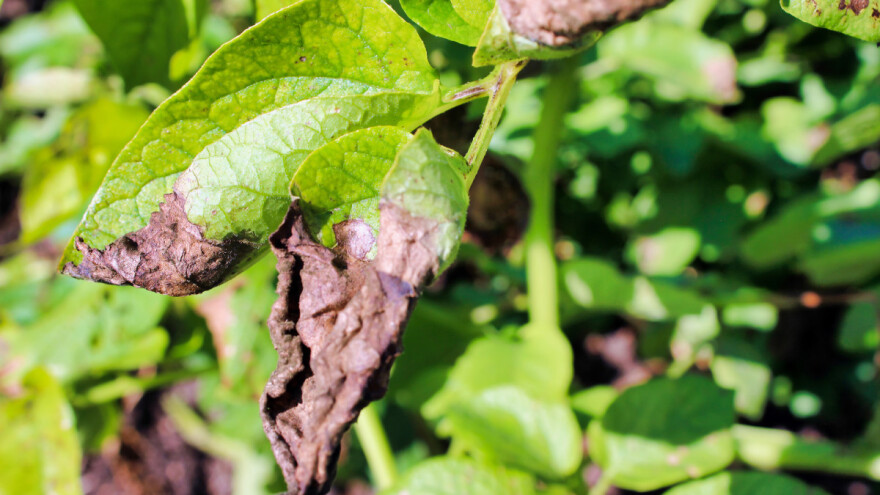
(717, 194)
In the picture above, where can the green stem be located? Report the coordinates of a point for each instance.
(770, 449)
(601, 487)
(538, 178)
(376, 448)
(498, 86)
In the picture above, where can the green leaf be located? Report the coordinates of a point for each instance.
(507, 425)
(265, 8)
(460, 476)
(700, 68)
(439, 18)
(60, 180)
(139, 37)
(341, 180)
(539, 363)
(39, 448)
(428, 181)
(667, 252)
(857, 18)
(858, 330)
(741, 367)
(664, 432)
(336, 65)
(94, 329)
(746, 483)
(241, 184)
(474, 12)
(499, 44)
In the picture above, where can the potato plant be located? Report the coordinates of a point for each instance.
(539, 192)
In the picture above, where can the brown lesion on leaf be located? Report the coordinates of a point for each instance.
(857, 6)
(170, 255)
(337, 327)
(563, 22)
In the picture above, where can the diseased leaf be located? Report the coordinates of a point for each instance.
(439, 18)
(857, 18)
(341, 180)
(746, 483)
(325, 68)
(739, 366)
(505, 424)
(139, 37)
(428, 181)
(664, 432)
(461, 476)
(499, 44)
(39, 448)
(339, 317)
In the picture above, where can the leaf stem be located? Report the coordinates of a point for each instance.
(497, 85)
(602, 485)
(376, 448)
(771, 449)
(538, 179)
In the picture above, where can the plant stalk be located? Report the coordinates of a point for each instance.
(769, 449)
(376, 448)
(498, 89)
(538, 177)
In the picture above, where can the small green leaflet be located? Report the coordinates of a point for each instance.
(857, 18)
(349, 63)
(439, 18)
(141, 37)
(341, 180)
(462, 476)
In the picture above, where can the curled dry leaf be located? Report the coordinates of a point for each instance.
(337, 327)
(563, 22)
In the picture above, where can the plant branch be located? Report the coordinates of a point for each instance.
(771, 449)
(538, 180)
(498, 88)
(377, 450)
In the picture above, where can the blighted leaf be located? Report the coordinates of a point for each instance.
(266, 8)
(857, 18)
(746, 483)
(139, 37)
(428, 181)
(341, 180)
(499, 43)
(462, 476)
(439, 18)
(302, 63)
(338, 320)
(505, 424)
(664, 432)
(39, 448)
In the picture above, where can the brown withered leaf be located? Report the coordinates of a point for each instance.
(170, 255)
(337, 327)
(563, 22)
